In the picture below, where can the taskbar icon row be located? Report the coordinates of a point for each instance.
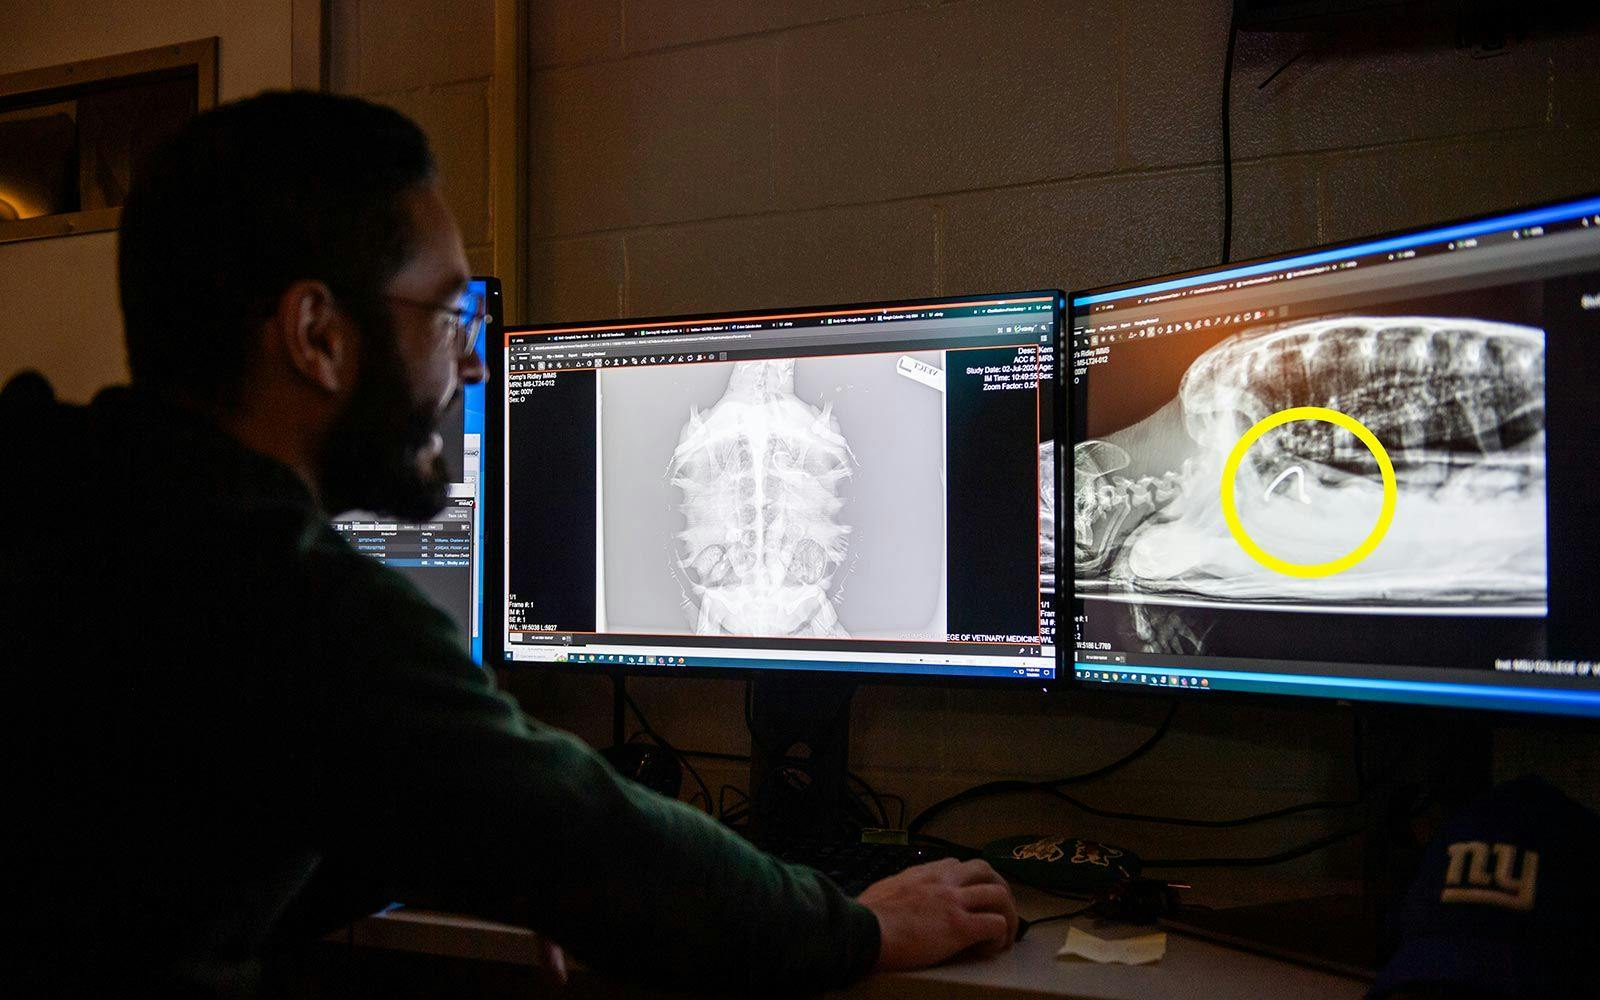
(623, 659)
(1149, 678)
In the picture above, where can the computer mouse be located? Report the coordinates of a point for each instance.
(1061, 862)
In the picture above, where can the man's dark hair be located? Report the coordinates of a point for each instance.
(243, 201)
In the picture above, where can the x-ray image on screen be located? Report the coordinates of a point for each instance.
(1360, 471)
(775, 498)
(1456, 404)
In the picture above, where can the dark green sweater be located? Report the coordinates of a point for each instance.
(225, 730)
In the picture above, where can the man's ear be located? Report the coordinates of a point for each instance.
(317, 338)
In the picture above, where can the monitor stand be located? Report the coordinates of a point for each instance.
(1436, 764)
(799, 759)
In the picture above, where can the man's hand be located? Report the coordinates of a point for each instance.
(928, 913)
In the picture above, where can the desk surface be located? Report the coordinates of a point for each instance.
(1029, 971)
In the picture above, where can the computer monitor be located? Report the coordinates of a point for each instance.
(1360, 472)
(444, 557)
(858, 489)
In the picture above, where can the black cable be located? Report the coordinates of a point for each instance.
(742, 758)
(872, 793)
(900, 809)
(1210, 824)
(1358, 766)
(954, 849)
(1227, 143)
(731, 816)
(1291, 61)
(1259, 862)
(992, 788)
(1239, 821)
(878, 798)
(723, 812)
(1064, 894)
(669, 748)
(618, 728)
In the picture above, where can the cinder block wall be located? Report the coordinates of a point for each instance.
(434, 61)
(721, 154)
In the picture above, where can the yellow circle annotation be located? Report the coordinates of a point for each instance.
(1230, 511)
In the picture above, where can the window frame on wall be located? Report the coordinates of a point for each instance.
(63, 82)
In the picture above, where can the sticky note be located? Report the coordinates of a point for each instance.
(1128, 951)
(919, 371)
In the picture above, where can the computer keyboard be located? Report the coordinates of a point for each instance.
(854, 866)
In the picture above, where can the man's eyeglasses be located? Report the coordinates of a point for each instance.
(467, 319)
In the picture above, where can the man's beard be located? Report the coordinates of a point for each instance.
(370, 460)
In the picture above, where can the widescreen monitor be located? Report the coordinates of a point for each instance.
(862, 489)
(1361, 472)
(443, 557)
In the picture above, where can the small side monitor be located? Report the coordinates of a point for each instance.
(443, 557)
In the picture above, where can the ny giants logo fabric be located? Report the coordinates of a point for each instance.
(1469, 878)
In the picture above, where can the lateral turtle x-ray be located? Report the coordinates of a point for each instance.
(1458, 405)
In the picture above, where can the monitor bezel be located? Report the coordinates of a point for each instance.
(1466, 220)
(1065, 660)
(494, 554)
